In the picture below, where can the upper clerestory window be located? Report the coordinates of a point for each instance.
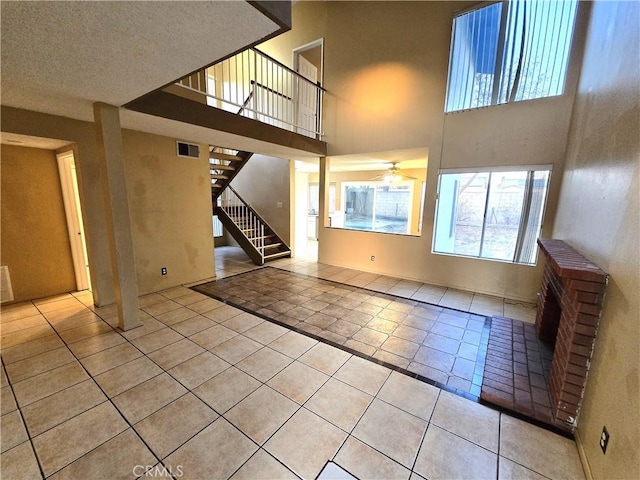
(509, 51)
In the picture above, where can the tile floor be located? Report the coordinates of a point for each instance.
(80, 399)
(232, 260)
(249, 399)
(443, 345)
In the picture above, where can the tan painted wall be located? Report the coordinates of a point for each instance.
(34, 240)
(170, 206)
(84, 135)
(170, 201)
(598, 215)
(385, 76)
(263, 182)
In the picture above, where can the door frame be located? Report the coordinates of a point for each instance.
(310, 46)
(319, 43)
(73, 213)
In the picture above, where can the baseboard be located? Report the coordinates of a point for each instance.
(583, 457)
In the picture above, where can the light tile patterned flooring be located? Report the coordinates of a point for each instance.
(247, 399)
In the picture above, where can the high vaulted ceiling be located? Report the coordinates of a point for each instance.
(61, 57)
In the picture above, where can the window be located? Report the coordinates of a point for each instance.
(509, 51)
(217, 227)
(314, 198)
(494, 214)
(377, 206)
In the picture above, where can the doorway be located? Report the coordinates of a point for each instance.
(75, 225)
(308, 62)
(306, 212)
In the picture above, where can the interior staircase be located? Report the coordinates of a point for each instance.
(254, 235)
(224, 164)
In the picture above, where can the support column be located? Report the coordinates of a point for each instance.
(323, 201)
(112, 170)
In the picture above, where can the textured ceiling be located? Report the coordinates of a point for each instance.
(60, 57)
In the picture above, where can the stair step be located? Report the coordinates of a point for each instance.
(215, 176)
(216, 185)
(272, 245)
(222, 167)
(225, 156)
(277, 255)
(262, 238)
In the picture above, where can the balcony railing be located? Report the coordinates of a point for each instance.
(254, 85)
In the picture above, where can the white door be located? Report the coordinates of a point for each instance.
(73, 212)
(307, 98)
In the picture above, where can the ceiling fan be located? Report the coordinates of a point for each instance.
(393, 175)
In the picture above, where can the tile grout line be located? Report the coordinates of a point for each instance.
(340, 346)
(24, 423)
(424, 435)
(109, 399)
(484, 335)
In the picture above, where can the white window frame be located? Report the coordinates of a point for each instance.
(512, 56)
(375, 184)
(525, 168)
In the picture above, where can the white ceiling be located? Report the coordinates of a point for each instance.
(61, 57)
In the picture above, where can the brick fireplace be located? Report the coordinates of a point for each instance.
(568, 312)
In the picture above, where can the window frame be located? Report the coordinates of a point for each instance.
(375, 184)
(500, 69)
(524, 215)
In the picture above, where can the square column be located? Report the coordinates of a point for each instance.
(112, 172)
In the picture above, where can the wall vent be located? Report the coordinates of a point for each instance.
(6, 292)
(189, 150)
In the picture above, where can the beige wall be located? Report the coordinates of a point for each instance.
(34, 240)
(598, 215)
(84, 135)
(385, 76)
(169, 199)
(264, 182)
(170, 207)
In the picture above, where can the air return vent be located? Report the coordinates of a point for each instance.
(189, 150)
(6, 294)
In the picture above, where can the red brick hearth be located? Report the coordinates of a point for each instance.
(540, 370)
(569, 308)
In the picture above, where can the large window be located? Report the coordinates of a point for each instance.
(509, 51)
(494, 214)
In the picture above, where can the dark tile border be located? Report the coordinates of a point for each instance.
(480, 360)
(482, 348)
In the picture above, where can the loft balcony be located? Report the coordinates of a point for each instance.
(249, 94)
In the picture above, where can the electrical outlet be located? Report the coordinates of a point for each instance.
(163, 270)
(604, 440)
(373, 258)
